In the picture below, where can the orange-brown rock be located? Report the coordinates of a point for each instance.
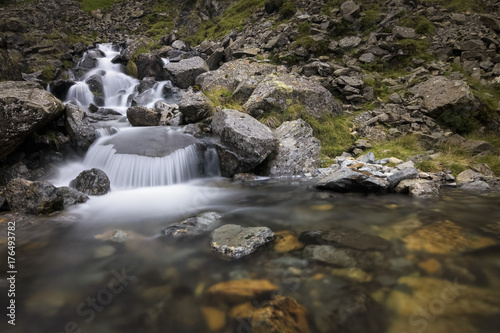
(215, 318)
(240, 291)
(281, 315)
(287, 241)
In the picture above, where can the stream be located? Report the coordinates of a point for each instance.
(77, 274)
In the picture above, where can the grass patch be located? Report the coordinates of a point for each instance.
(421, 25)
(402, 148)
(90, 5)
(224, 98)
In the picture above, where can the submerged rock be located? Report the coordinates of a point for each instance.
(280, 315)
(234, 241)
(91, 182)
(347, 180)
(193, 226)
(239, 291)
(24, 108)
(337, 238)
(339, 257)
(33, 197)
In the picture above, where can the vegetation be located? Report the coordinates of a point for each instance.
(478, 6)
(421, 25)
(90, 5)
(224, 98)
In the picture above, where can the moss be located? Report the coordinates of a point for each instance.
(288, 9)
(132, 69)
(369, 21)
(224, 98)
(48, 73)
(421, 24)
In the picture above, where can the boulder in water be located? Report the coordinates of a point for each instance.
(195, 106)
(143, 116)
(78, 126)
(91, 182)
(234, 241)
(72, 196)
(185, 72)
(33, 197)
(24, 108)
(347, 180)
(193, 226)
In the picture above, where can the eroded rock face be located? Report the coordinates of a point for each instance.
(91, 182)
(234, 241)
(195, 107)
(24, 108)
(185, 72)
(279, 92)
(33, 197)
(298, 150)
(247, 141)
(79, 128)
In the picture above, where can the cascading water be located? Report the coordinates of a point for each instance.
(141, 156)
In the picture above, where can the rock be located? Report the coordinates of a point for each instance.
(33, 197)
(395, 98)
(483, 169)
(91, 182)
(451, 101)
(349, 42)
(24, 108)
(286, 241)
(367, 58)
(445, 237)
(95, 84)
(476, 147)
(477, 185)
(9, 69)
(404, 33)
(234, 241)
(418, 188)
(347, 180)
(298, 150)
(281, 314)
(350, 10)
(232, 73)
(72, 196)
(244, 137)
(195, 106)
(215, 59)
(245, 89)
(239, 291)
(215, 318)
(277, 41)
(279, 92)
(354, 274)
(150, 65)
(193, 226)
(178, 44)
(185, 72)
(368, 157)
(406, 173)
(469, 176)
(143, 116)
(79, 128)
(337, 238)
(340, 257)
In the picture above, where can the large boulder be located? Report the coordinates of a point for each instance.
(347, 180)
(298, 150)
(91, 182)
(24, 108)
(79, 128)
(150, 65)
(185, 72)
(450, 101)
(279, 92)
(231, 74)
(195, 106)
(33, 197)
(9, 70)
(246, 142)
(143, 116)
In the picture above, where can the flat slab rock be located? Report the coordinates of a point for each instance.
(193, 226)
(234, 241)
(347, 180)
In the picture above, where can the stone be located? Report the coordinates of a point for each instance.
(234, 241)
(281, 314)
(418, 188)
(79, 128)
(349, 42)
(367, 58)
(477, 185)
(367, 158)
(244, 137)
(280, 91)
(339, 257)
(476, 147)
(469, 176)
(179, 45)
(245, 89)
(350, 10)
(232, 73)
(143, 116)
(406, 173)
(150, 65)
(298, 151)
(287, 241)
(96, 85)
(24, 108)
(195, 106)
(277, 41)
(9, 69)
(72, 196)
(193, 226)
(353, 239)
(184, 73)
(404, 33)
(353, 273)
(33, 197)
(91, 182)
(395, 98)
(240, 291)
(347, 180)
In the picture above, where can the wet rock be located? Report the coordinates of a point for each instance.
(347, 180)
(150, 65)
(24, 108)
(195, 106)
(239, 291)
(337, 238)
(185, 72)
(234, 241)
(215, 318)
(91, 182)
(287, 241)
(96, 85)
(354, 274)
(406, 173)
(280, 315)
(340, 257)
(33, 197)
(79, 128)
(248, 140)
(193, 226)
(444, 237)
(72, 196)
(418, 188)
(143, 116)
(477, 185)
(119, 236)
(298, 150)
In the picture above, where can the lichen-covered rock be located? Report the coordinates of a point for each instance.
(247, 141)
(234, 241)
(279, 92)
(33, 197)
(185, 72)
(79, 128)
(91, 182)
(298, 150)
(231, 74)
(24, 108)
(195, 106)
(193, 226)
(143, 116)
(347, 180)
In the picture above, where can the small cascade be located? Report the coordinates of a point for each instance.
(80, 94)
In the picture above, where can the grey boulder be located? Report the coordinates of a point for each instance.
(185, 72)
(195, 106)
(91, 182)
(234, 241)
(33, 197)
(347, 180)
